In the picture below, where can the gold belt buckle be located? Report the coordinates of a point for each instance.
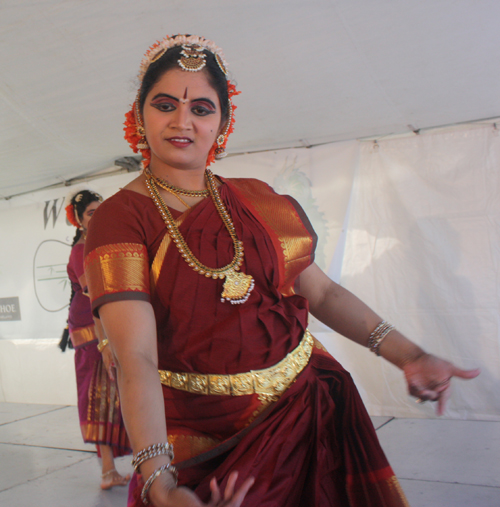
(219, 384)
(242, 384)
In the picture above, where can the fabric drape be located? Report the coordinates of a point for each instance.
(316, 444)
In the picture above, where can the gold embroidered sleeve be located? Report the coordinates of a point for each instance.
(117, 272)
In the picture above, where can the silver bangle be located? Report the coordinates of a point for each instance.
(379, 333)
(161, 470)
(151, 452)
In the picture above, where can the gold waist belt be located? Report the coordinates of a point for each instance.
(270, 382)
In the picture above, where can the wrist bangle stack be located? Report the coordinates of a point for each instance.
(151, 452)
(101, 345)
(380, 332)
(147, 486)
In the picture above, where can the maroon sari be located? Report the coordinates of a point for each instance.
(315, 445)
(98, 401)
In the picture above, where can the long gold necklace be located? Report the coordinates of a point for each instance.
(237, 286)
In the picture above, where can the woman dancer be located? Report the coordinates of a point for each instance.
(204, 285)
(98, 403)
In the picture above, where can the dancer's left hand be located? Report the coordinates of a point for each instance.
(429, 377)
(109, 361)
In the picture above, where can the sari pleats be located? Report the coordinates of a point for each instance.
(98, 402)
(306, 452)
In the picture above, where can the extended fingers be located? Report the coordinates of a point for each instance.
(231, 498)
(466, 374)
(231, 482)
(239, 496)
(444, 396)
(437, 391)
(216, 496)
(110, 369)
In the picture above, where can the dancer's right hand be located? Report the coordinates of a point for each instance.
(184, 497)
(230, 498)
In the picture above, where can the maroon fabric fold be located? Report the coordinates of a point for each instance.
(315, 447)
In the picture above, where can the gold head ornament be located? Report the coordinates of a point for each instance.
(192, 55)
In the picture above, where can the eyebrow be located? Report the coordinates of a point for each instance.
(202, 99)
(159, 95)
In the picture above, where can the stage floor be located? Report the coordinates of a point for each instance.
(439, 462)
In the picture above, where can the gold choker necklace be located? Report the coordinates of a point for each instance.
(172, 188)
(237, 286)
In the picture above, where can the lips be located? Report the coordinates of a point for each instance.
(179, 142)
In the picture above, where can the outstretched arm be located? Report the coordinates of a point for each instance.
(428, 376)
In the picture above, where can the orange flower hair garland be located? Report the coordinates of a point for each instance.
(155, 52)
(70, 215)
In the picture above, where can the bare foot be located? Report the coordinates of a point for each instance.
(113, 478)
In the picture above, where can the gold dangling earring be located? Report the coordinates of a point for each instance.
(143, 142)
(220, 151)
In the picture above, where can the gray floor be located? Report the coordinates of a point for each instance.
(440, 463)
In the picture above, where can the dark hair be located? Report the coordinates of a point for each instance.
(82, 199)
(169, 60)
(79, 201)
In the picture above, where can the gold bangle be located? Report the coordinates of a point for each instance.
(101, 345)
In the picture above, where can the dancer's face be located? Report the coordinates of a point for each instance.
(87, 214)
(182, 118)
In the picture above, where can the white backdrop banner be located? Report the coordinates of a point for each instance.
(409, 225)
(36, 243)
(423, 250)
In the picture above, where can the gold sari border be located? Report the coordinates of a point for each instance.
(188, 446)
(162, 252)
(158, 261)
(116, 268)
(269, 383)
(292, 235)
(82, 336)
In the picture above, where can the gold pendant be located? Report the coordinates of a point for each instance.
(237, 287)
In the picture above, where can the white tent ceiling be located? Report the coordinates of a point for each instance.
(310, 71)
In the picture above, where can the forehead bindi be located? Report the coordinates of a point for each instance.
(184, 99)
(185, 85)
